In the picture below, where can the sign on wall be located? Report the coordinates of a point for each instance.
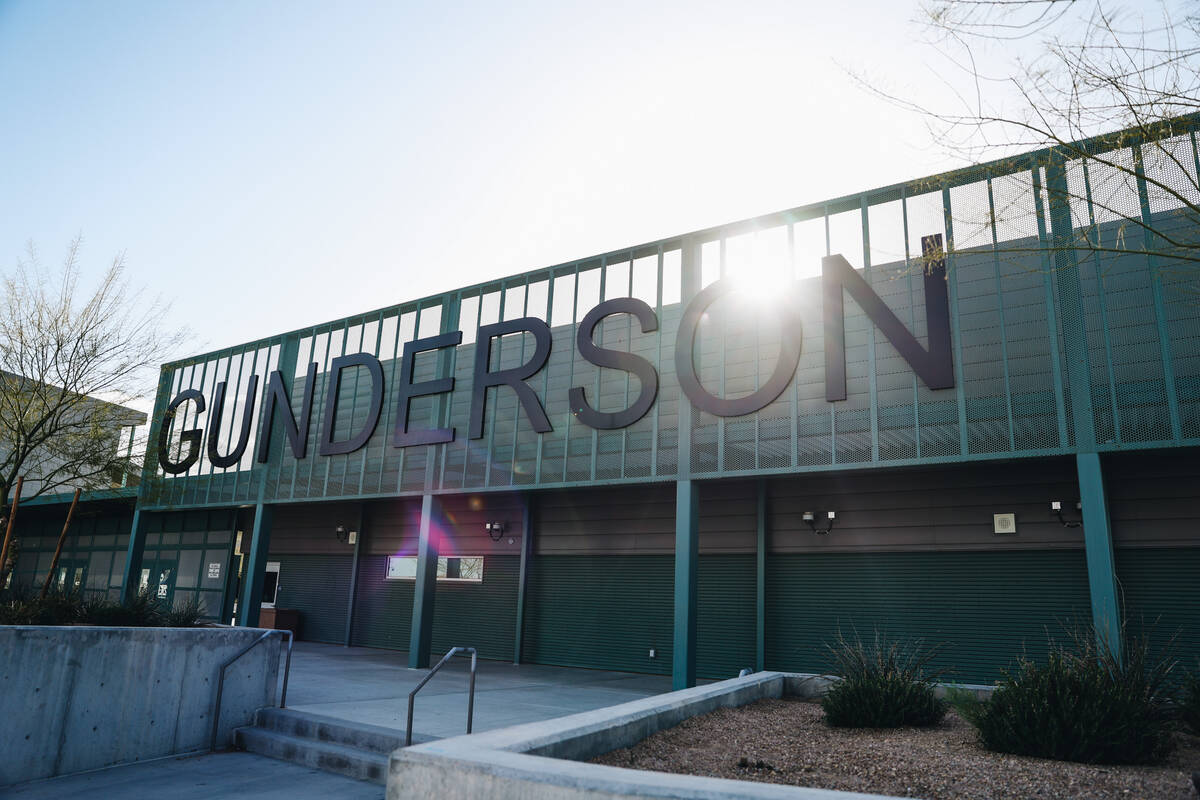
(932, 363)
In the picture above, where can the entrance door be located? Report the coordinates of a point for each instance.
(71, 575)
(270, 584)
(159, 581)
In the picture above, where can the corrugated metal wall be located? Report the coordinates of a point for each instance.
(318, 586)
(1160, 593)
(383, 608)
(725, 628)
(982, 608)
(480, 615)
(601, 611)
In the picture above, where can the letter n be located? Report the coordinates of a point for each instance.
(935, 366)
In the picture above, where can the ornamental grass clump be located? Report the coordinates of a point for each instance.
(883, 685)
(1083, 704)
(20, 606)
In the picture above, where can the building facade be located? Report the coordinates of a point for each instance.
(725, 449)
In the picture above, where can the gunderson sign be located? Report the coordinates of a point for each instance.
(934, 365)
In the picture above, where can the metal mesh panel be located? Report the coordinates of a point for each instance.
(1024, 320)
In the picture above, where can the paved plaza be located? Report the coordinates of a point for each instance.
(361, 685)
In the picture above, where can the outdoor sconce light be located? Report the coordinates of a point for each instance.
(495, 530)
(345, 536)
(1056, 508)
(811, 519)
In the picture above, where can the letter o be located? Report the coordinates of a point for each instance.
(685, 364)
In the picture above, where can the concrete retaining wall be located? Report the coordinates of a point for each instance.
(80, 698)
(545, 759)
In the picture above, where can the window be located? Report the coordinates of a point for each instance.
(270, 584)
(462, 569)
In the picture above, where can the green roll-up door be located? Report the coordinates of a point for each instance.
(318, 586)
(983, 608)
(1161, 592)
(725, 625)
(479, 615)
(382, 607)
(601, 611)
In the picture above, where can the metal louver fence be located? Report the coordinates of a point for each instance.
(1074, 311)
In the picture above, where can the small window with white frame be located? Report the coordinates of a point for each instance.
(455, 569)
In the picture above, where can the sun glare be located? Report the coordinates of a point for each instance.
(760, 265)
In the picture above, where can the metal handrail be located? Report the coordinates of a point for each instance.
(470, 695)
(287, 668)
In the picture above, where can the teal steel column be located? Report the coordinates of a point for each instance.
(131, 576)
(1097, 529)
(523, 580)
(423, 593)
(1070, 301)
(760, 582)
(260, 545)
(132, 573)
(353, 595)
(687, 553)
(1097, 540)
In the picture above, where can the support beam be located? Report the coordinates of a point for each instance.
(1097, 540)
(421, 634)
(523, 580)
(260, 545)
(687, 551)
(760, 582)
(358, 537)
(132, 575)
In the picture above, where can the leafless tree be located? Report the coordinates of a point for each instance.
(72, 359)
(1031, 74)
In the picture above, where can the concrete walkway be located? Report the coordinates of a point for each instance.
(364, 685)
(229, 776)
(368, 685)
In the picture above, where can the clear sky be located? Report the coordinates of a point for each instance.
(269, 165)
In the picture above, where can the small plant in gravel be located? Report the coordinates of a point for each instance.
(1083, 704)
(883, 685)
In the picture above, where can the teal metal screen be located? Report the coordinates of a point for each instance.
(1072, 301)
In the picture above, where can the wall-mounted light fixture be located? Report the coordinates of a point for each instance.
(811, 519)
(343, 535)
(1056, 509)
(495, 530)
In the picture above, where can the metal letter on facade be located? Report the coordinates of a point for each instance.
(297, 431)
(685, 362)
(333, 381)
(935, 366)
(514, 377)
(407, 390)
(214, 425)
(617, 359)
(189, 437)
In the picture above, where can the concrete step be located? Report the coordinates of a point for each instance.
(302, 725)
(361, 764)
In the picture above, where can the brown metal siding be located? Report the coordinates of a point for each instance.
(1154, 498)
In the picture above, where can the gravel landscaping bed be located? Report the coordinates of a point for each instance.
(786, 741)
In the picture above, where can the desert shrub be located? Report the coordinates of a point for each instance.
(188, 615)
(26, 607)
(884, 685)
(1083, 704)
(22, 606)
(142, 611)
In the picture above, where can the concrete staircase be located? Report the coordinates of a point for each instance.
(334, 745)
